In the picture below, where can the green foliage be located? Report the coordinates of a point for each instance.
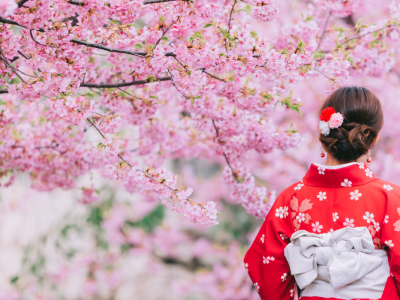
(150, 221)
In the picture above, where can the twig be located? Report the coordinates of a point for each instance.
(3, 91)
(164, 32)
(109, 49)
(20, 3)
(11, 22)
(91, 123)
(26, 57)
(229, 24)
(5, 60)
(323, 33)
(361, 35)
(122, 84)
(213, 76)
(30, 31)
(79, 3)
(226, 157)
(160, 1)
(324, 74)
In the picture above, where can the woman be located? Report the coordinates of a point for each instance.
(336, 233)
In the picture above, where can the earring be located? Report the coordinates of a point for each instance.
(322, 152)
(369, 156)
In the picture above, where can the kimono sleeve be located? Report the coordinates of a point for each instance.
(390, 236)
(265, 260)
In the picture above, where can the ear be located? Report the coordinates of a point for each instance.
(375, 141)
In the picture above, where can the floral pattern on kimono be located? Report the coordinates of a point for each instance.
(324, 201)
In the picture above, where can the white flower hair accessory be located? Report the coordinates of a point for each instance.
(330, 119)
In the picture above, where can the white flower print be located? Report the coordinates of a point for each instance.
(361, 165)
(246, 265)
(282, 212)
(283, 236)
(387, 187)
(349, 223)
(331, 230)
(257, 286)
(389, 243)
(321, 170)
(346, 183)
(386, 219)
(291, 292)
(298, 187)
(369, 217)
(335, 217)
(262, 238)
(283, 277)
(355, 195)
(376, 226)
(317, 227)
(266, 260)
(301, 217)
(368, 172)
(321, 196)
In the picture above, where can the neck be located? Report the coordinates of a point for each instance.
(332, 161)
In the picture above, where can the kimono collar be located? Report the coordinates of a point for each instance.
(347, 175)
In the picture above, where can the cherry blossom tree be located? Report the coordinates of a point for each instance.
(141, 91)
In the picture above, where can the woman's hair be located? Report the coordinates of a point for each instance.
(363, 119)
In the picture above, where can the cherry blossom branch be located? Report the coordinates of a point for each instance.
(324, 31)
(3, 91)
(122, 84)
(147, 175)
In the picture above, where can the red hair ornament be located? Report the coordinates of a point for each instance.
(330, 119)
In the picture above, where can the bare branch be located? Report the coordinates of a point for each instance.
(122, 84)
(3, 91)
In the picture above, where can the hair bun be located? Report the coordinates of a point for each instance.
(363, 119)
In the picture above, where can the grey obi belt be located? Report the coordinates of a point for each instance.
(343, 264)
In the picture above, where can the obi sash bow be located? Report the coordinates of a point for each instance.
(343, 264)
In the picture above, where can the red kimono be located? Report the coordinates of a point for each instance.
(327, 199)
